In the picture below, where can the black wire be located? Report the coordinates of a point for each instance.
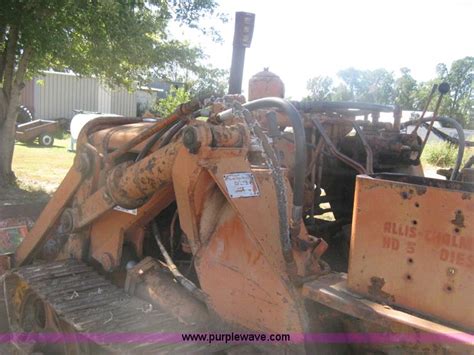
(171, 130)
(151, 143)
(461, 139)
(171, 133)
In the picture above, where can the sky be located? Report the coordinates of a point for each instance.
(299, 39)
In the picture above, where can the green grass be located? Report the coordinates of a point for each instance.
(443, 155)
(42, 168)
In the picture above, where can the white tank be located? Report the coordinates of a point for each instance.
(80, 120)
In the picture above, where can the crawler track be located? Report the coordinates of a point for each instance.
(90, 304)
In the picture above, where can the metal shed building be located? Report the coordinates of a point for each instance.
(55, 95)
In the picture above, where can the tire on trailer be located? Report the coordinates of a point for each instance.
(24, 115)
(46, 140)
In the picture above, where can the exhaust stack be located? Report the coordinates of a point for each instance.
(244, 24)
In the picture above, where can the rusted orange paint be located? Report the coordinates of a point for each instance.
(424, 232)
(115, 138)
(239, 262)
(265, 84)
(134, 182)
(48, 218)
(180, 112)
(243, 285)
(109, 232)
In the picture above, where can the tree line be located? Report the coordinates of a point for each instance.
(383, 87)
(119, 42)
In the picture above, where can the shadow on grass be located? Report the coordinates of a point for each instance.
(36, 145)
(14, 194)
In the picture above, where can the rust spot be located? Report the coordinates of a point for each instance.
(150, 165)
(375, 290)
(213, 169)
(458, 220)
(405, 195)
(448, 288)
(466, 196)
(421, 190)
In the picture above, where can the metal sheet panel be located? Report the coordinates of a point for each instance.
(104, 100)
(397, 331)
(123, 103)
(58, 94)
(412, 245)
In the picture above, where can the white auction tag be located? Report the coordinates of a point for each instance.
(121, 209)
(241, 185)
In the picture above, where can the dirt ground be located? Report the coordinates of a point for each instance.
(39, 172)
(13, 195)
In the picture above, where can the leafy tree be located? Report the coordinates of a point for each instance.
(320, 88)
(441, 70)
(117, 41)
(209, 82)
(379, 86)
(343, 93)
(176, 96)
(203, 81)
(367, 85)
(353, 81)
(422, 93)
(461, 79)
(459, 102)
(405, 90)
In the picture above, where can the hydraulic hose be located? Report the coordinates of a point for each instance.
(279, 183)
(172, 132)
(324, 106)
(446, 137)
(183, 281)
(300, 145)
(167, 133)
(151, 143)
(461, 139)
(179, 113)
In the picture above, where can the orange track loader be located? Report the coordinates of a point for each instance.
(305, 218)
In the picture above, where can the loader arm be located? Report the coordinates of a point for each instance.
(220, 218)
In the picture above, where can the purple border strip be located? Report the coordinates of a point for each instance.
(295, 338)
(389, 338)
